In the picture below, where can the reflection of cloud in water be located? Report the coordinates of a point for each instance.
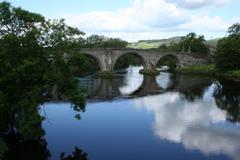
(213, 140)
(163, 80)
(194, 124)
(133, 80)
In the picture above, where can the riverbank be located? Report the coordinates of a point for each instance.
(210, 70)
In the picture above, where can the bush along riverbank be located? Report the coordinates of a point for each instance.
(211, 70)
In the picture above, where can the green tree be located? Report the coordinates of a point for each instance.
(34, 63)
(228, 50)
(23, 64)
(115, 43)
(96, 41)
(194, 43)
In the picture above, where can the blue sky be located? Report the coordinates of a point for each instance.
(133, 20)
(54, 7)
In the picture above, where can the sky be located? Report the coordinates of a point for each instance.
(134, 20)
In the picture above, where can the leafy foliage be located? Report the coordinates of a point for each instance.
(228, 50)
(35, 60)
(192, 43)
(96, 41)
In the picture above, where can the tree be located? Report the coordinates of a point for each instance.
(115, 43)
(194, 43)
(23, 64)
(96, 41)
(234, 29)
(228, 50)
(34, 60)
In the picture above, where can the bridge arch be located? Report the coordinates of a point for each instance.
(171, 60)
(138, 55)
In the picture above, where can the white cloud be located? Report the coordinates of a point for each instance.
(204, 22)
(142, 15)
(148, 19)
(211, 140)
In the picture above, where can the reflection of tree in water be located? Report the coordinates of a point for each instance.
(192, 94)
(193, 87)
(27, 150)
(21, 131)
(78, 154)
(21, 125)
(227, 97)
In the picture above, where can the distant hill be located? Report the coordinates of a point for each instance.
(148, 44)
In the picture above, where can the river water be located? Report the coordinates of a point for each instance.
(136, 117)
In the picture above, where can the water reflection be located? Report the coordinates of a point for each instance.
(27, 150)
(132, 84)
(185, 113)
(131, 81)
(194, 111)
(77, 154)
(227, 97)
(198, 124)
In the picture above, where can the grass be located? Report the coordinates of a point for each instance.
(211, 70)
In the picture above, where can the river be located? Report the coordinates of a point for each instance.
(136, 117)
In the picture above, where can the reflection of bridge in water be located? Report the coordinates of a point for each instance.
(108, 89)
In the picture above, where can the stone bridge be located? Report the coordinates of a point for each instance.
(107, 57)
